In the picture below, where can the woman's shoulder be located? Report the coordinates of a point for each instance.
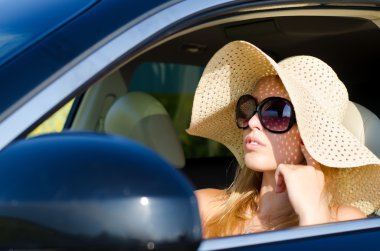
(345, 213)
(210, 194)
(209, 199)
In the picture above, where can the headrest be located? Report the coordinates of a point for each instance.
(365, 125)
(141, 117)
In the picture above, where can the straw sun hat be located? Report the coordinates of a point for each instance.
(319, 99)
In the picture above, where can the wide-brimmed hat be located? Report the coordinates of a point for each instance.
(319, 99)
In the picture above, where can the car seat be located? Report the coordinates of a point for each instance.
(141, 117)
(364, 124)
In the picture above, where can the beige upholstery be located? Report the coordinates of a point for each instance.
(141, 117)
(365, 125)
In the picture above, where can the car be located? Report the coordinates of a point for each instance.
(96, 96)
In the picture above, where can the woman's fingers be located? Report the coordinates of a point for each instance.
(281, 176)
(280, 183)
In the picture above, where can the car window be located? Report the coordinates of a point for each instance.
(174, 86)
(55, 122)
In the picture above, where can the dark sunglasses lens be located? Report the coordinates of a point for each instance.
(245, 109)
(276, 115)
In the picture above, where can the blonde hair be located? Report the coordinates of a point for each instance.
(242, 197)
(230, 217)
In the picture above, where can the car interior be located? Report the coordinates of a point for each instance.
(149, 98)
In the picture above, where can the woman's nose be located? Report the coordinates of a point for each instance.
(254, 122)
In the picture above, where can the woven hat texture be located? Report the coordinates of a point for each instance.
(319, 99)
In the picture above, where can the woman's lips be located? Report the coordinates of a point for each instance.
(252, 143)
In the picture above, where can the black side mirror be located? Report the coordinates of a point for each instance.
(84, 191)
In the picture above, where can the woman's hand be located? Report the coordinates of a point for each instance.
(305, 187)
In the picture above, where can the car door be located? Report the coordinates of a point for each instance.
(174, 40)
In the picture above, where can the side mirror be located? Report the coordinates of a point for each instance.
(87, 191)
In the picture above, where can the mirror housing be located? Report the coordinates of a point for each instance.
(91, 191)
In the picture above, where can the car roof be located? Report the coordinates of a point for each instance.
(33, 21)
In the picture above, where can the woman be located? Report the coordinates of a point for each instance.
(283, 123)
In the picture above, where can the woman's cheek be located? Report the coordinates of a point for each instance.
(287, 147)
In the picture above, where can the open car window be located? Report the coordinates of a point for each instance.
(174, 86)
(169, 70)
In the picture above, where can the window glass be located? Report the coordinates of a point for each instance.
(55, 122)
(174, 86)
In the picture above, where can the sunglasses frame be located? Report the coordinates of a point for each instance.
(258, 111)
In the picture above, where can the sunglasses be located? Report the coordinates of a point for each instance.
(276, 114)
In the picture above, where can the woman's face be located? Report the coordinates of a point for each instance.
(264, 150)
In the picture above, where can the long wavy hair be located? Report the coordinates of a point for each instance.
(242, 197)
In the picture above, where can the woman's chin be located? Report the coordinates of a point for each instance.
(259, 164)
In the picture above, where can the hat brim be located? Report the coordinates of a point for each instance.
(234, 70)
